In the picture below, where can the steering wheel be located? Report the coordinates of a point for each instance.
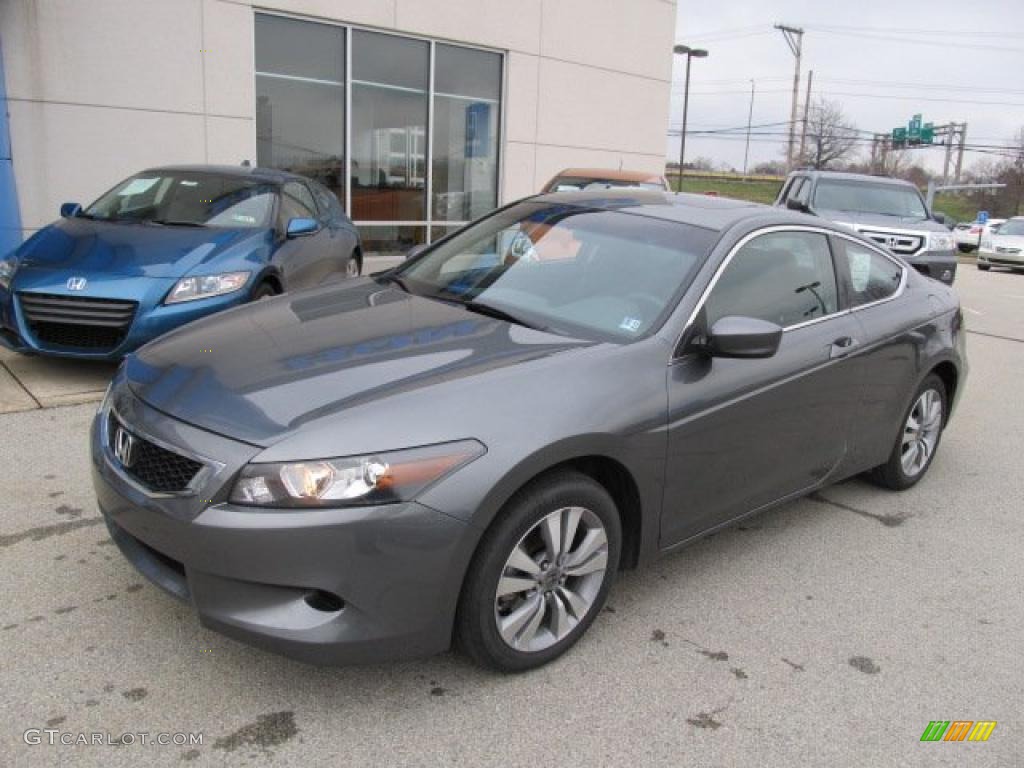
(522, 250)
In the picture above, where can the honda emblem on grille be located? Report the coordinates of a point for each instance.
(77, 283)
(124, 447)
(891, 241)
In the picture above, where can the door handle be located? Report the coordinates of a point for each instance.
(841, 347)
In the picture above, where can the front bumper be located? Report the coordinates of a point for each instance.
(1001, 258)
(261, 576)
(152, 317)
(940, 265)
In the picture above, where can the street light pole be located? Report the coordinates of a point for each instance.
(700, 53)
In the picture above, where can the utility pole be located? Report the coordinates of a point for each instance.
(960, 155)
(750, 117)
(949, 152)
(795, 40)
(807, 109)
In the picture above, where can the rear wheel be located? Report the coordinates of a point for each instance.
(354, 265)
(541, 574)
(983, 267)
(918, 440)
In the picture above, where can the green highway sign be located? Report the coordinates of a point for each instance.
(914, 134)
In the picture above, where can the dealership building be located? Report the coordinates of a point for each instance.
(418, 114)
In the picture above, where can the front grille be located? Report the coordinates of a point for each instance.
(75, 322)
(897, 242)
(155, 467)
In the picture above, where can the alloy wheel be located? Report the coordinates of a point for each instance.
(921, 432)
(551, 579)
(352, 267)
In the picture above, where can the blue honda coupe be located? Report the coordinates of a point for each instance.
(165, 247)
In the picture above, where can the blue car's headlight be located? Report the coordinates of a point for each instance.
(379, 478)
(205, 286)
(7, 269)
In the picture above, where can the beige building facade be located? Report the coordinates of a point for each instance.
(420, 114)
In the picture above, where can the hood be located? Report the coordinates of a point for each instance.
(1007, 241)
(861, 219)
(261, 371)
(86, 247)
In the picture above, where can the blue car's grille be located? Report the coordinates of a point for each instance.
(74, 322)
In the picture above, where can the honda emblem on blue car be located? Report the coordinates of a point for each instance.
(77, 283)
(124, 447)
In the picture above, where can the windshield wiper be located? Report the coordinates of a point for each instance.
(500, 314)
(176, 223)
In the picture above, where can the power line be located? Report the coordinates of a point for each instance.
(913, 41)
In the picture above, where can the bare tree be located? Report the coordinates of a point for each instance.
(831, 136)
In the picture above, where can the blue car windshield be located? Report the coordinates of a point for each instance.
(591, 273)
(188, 199)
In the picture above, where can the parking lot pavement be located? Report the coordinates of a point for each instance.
(29, 382)
(827, 632)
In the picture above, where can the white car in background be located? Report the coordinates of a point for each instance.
(968, 234)
(1002, 244)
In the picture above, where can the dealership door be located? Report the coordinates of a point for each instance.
(746, 432)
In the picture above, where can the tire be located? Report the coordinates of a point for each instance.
(963, 248)
(263, 291)
(895, 473)
(567, 595)
(984, 267)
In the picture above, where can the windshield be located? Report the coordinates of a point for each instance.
(865, 197)
(576, 271)
(575, 183)
(1011, 227)
(194, 199)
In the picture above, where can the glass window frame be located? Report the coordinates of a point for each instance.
(429, 222)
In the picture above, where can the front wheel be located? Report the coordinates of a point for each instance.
(983, 267)
(918, 440)
(541, 573)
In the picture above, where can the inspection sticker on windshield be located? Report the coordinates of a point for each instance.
(244, 218)
(630, 324)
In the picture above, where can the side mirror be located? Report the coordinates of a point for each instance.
(70, 210)
(795, 205)
(939, 217)
(415, 251)
(746, 337)
(302, 227)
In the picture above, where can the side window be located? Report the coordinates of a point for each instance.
(872, 276)
(802, 192)
(791, 185)
(296, 203)
(782, 277)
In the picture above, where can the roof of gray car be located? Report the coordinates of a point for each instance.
(239, 171)
(706, 211)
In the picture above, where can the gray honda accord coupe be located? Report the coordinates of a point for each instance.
(470, 446)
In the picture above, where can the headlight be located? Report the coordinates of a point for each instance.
(7, 269)
(205, 286)
(939, 241)
(379, 478)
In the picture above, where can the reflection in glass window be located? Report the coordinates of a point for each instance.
(300, 99)
(467, 91)
(784, 278)
(391, 240)
(389, 127)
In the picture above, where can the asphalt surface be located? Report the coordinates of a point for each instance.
(828, 632)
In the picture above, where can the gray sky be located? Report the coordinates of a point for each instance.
(882, 60)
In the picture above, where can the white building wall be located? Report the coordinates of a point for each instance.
(98, 90)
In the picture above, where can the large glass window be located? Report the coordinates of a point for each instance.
(300, 99)
(404, 139)
(390, 76)
(467, 92)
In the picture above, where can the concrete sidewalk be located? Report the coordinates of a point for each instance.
(28, 382)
